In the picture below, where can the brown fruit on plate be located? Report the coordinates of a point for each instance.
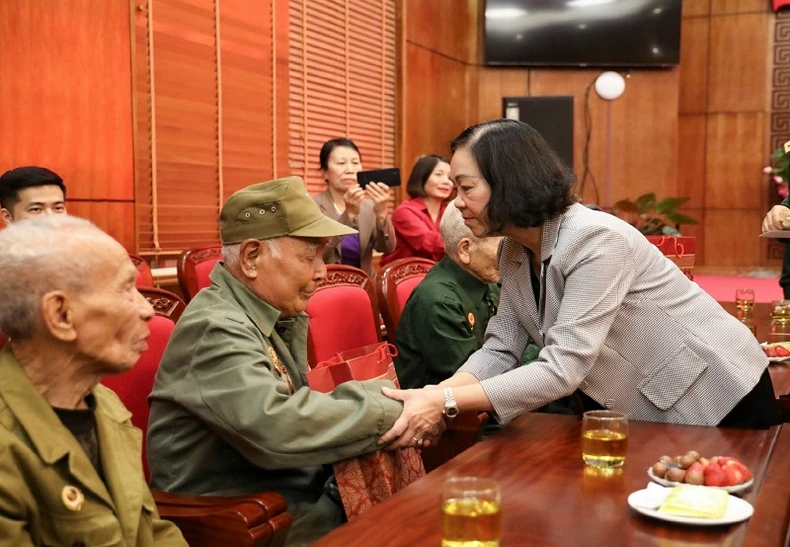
(665, 459)
(693, 453)
(687, 461)
(659, 469)
(675, 475)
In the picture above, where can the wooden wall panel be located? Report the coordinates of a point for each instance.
(643, 130)
(495, 83)
(725, 246)
(691, 8)
(735, 156)
(691, 159)
(738, 62)
(446, 27)
(114, 217)
(719, 7)
(433, 107)
(694, 65)
(65, 100)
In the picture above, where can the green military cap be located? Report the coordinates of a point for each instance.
(277, 208)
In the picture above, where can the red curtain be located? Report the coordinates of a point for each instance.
(780, 4)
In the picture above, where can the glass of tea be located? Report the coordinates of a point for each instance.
(471, 515)
(604, 438)
(744, 300)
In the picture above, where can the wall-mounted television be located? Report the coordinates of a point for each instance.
(599, 33)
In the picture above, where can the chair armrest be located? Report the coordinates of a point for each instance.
(254, 519)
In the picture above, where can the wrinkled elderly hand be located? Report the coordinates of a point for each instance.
(421, 422)
(773, 220)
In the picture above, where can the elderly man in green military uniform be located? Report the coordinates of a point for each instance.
(445, 318)
(230, 410)
(70, 464)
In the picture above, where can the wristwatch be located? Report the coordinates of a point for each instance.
(450, 406)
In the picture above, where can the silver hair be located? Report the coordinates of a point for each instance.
(231, 254)
(38, 256)
(453, 229)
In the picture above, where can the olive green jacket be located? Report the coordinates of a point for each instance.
(39, 458)
(224, 420)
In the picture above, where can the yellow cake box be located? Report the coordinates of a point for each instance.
(696, 501)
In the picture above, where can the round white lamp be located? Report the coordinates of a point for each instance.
(609, 85)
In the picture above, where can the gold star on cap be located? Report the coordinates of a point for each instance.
(72, 498)
(471, 319)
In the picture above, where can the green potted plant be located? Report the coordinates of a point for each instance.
(652, 216)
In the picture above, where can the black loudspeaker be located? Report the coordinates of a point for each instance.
(552, 117)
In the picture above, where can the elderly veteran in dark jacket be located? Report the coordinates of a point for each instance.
(70, 463)
(445, 319)
(231, 412)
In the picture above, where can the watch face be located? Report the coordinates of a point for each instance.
(451, 411)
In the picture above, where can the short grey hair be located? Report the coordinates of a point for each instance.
(38, 256)
(231, 254)
(453, 229)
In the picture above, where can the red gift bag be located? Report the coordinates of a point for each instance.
(678, 249)
(367, 480)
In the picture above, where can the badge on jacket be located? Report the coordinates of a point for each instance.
(281, 369)
(471, 319)
(72, 498)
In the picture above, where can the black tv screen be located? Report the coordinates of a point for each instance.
(621, 33)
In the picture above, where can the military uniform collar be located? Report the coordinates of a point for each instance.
(475, 288)
(261, 313)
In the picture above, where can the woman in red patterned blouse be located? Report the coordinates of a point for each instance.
(416, 220)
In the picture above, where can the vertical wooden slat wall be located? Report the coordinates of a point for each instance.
(209, 82)
(342, 78)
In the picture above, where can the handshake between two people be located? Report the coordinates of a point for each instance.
(422, 420)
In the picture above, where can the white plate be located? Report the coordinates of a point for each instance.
(737, 510)
(774, 359)
(730, 489)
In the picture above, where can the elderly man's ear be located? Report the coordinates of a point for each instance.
(465, 251)
(249, 252)
(57, 313)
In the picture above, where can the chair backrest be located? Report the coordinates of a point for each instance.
(134, 386)
(145, 278)
(343, 313)
(394, 285)
(193, 269)
(165, 303)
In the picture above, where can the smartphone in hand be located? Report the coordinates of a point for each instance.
(390, 177)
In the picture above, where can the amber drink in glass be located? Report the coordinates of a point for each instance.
(471, 514)
(604, 438)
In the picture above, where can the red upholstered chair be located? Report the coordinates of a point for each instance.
(165, 303)
(193, 269)
(343, 313)
(205, 521)
(134, 386)
(144, 276)
(394, 285)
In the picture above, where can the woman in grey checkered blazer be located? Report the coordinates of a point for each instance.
(617, 322)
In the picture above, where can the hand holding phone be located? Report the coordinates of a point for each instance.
(390, 177)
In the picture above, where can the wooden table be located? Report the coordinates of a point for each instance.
(549, 499)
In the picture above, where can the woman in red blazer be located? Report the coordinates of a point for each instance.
(416, 220)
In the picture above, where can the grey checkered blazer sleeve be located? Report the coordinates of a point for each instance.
(617, 320)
